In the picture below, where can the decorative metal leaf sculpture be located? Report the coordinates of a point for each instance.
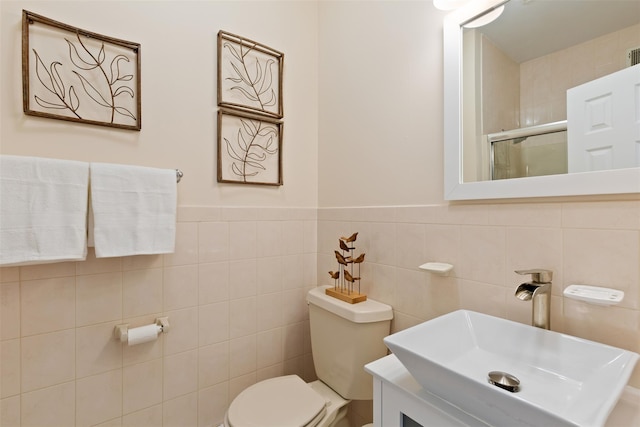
(51, 80)
(255, 140)
(85, 60)
(108, 99)
(257, 86)
(249, 149)
(249, 75)
(91, 78)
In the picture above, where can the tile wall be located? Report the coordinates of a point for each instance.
(235, 289)
(594, 243)
(234, 292)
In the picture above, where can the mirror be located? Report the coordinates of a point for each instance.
(467, 151)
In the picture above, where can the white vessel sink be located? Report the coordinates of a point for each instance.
(564, 380)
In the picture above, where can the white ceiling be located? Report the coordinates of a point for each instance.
(528, 29)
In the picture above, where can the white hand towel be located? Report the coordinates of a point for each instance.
(134, 210)
(43, 210)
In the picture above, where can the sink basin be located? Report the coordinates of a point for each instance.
(563, 380)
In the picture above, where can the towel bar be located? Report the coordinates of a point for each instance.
(179, 175)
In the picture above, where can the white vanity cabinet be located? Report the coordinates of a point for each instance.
(399, 401)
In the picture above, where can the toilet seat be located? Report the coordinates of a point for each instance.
(281, 401)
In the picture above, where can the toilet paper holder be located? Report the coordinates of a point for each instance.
(121, 332)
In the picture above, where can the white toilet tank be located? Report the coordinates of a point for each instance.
(344, 338)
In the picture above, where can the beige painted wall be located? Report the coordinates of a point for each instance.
(179, 101)
(380, 103)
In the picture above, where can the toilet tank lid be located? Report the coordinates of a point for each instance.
(363, 312)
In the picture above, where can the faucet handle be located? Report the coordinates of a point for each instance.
(538, 275)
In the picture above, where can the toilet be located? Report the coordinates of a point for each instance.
(344, 338)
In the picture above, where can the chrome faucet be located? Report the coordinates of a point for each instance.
(538, 290)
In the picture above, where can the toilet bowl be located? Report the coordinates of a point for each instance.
(344, 337)
(286, 401)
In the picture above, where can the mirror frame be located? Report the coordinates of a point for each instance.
(618, 181)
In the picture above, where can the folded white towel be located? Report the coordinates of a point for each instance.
(43, 210)
(134, 210)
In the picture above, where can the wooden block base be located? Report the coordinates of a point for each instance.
(350, 297)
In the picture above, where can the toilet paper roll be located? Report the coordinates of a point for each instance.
(143, 334)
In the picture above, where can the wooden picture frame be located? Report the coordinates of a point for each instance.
(249, 149)
(249, 76)
(79, 76)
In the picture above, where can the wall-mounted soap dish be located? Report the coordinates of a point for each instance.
(594, 294)
(440, 268)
